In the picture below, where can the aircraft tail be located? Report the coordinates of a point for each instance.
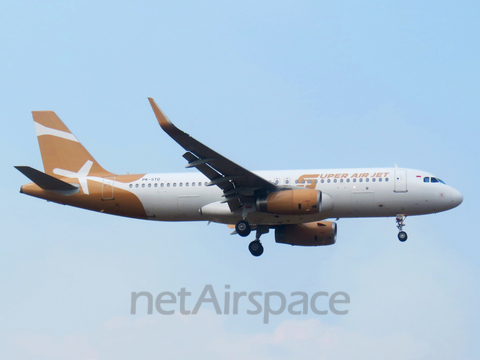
(62, 154)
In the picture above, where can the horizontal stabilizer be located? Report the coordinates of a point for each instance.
(45, 181)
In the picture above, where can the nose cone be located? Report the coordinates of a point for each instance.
(457, 198)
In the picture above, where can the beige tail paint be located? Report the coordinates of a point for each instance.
(61, 152)
(65, 158)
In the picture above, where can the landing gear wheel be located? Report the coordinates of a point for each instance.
(243, 228)
(402, 236)
(256, 248)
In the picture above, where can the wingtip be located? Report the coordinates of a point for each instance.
(158, 112)
(154, 105)
(162, 119)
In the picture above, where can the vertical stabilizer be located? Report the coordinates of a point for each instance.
(62, 153)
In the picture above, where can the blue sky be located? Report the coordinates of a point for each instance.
(271, 85)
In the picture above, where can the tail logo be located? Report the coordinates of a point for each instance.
(81, 175)
(43, 130)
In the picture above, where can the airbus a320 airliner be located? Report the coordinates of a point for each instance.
(295, 203)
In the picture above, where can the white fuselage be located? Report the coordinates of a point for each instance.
(371, 192)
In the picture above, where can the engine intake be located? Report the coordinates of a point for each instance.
(291, 202)
(308, 234)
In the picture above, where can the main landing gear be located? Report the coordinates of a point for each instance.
(402, 235)
(256, 248)
(243, 229)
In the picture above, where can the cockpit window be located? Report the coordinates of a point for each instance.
(432, 180)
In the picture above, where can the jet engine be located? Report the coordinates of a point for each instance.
(309, 234)
(291, 202)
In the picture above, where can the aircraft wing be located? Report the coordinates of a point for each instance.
(235, 181)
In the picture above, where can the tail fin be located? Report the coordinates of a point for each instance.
(62, 153)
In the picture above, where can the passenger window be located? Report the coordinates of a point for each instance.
(168, 184)
(367, 179)
(316, 181)
(334, 180)
(341, 180)
(130, 185)
(149, 185)
(380, 180)
(323, 181)
(373, 180)
(193, 184)
(348, 180)
(174, 184)
(161, 185)
(199, 183)
(155, 185)
(386, 179)
(328, 180)
(287, 181)
(143, 185)
(296, 181)
(354, 179)
(426, 179)
(136, 185)
(361, 180)
(186, 184)
(181, 184)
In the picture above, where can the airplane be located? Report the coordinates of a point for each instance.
(295, 203)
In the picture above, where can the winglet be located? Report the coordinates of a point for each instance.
(163, 120)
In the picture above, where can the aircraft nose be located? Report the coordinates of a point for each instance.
(457, 197)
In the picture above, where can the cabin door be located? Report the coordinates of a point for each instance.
(107, 188)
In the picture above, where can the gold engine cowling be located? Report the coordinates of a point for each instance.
(316, 233)
(291, 202)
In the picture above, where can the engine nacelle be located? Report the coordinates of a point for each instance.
(291, 202)
(309, 234)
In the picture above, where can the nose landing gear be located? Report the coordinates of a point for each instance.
(402, 235)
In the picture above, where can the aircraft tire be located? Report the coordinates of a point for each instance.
(256, 248)
(402, 236)
(243, 228)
